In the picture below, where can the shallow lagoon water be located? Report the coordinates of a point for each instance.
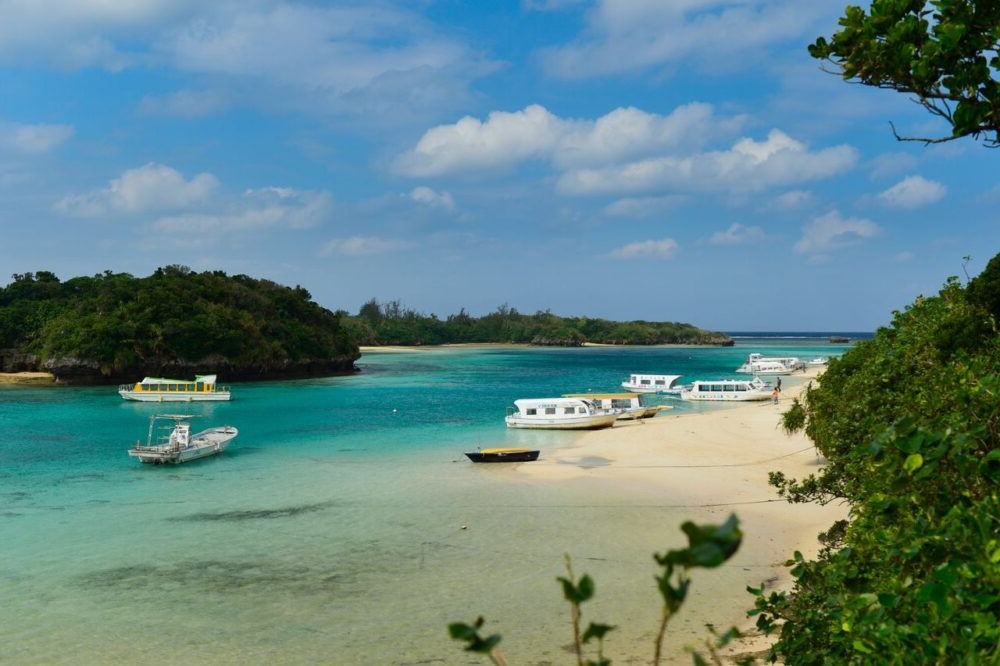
(343, 525)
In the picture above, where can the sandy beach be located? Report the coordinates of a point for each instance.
(26, 378)
(711, 463)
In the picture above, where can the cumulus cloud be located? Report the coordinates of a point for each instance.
(664, 248)
(347, 58)
(428, 196)
(506, 138)
(747, 166)
(362, 246)
(625, 35)
(32, 139)
(258, 209)
(913, 192)
(152, 187)
(832, 232)
(737, 234)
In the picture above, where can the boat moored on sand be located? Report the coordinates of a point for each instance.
(558, 414)
(179, 445)
(503, 455)
(758, 364)
(626, 405)
(158, 389)
(728, 389)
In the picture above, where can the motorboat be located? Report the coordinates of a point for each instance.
(819, 360)
(758, 364)
(626, 405)
(157, 389)
(170, 440)
(728, 390)
(503, 455)
(558, 414)
(651, 383)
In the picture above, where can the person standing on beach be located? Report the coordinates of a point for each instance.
(774, 394)
(778, 384)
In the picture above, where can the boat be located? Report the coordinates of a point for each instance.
(728, 389)
(179, 445)
(651, 383)
(626, 405)
(158, 389)
(819, 360)
(558, 414)
(758, 364)
(503, 455)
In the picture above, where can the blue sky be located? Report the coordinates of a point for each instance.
(680, 160)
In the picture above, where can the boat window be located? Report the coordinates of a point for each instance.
(550, 410)
(621, 404)
(531, 411)
(569, 410)
(645, 382)
(716, 387)
(729, 387)
(741, 387)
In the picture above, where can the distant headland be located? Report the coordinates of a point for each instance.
(116, 328)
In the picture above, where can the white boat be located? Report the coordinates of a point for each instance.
(651, 383)
(158, 389)
(626, 405)
(728, 389)
(758, 364)
(819, 360)
(558, 414)
(180, 445)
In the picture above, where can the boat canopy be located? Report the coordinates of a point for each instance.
(198, 379)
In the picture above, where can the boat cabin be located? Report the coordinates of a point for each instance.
(650, 383)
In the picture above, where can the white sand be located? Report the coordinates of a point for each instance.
(714, 463)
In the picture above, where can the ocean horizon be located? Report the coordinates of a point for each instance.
(343, 525)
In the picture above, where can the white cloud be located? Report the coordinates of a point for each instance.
(152, 187)
(428, 196)
(737, 234)
(748, 166)
(831, 232)
(624, 35)
(793, 200)
(639, 207)
(185, 103)
(506, 138)
(913, 192)
(362, 246)
(259, 209)
(32, 139)
(664, 248)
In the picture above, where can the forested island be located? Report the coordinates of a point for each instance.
(116, 328)
(393, 324)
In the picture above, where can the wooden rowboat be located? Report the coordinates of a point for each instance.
(503, 455)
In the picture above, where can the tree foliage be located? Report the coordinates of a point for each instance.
(120, 321)
(910, 425)
(392, 323)
(942, 52)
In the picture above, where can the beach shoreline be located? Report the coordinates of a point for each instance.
(710, 464)
(27, 378)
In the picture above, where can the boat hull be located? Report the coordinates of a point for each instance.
(588, 422)
(508, 456)
(180, 396)
(726, 396)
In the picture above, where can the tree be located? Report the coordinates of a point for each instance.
(943, 52)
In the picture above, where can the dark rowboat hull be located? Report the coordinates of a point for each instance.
(502, 456)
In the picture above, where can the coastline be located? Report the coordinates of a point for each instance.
(27, 378)
(710, 464)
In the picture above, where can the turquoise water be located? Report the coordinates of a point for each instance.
(343, 525)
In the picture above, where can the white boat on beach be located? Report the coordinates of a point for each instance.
(179, 445)
(158, 389)
(626, 405)
(558, 414)
(728, 389)
(758, 364)
(651, 383)
(819, 360)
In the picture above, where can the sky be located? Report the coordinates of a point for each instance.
(666, 160)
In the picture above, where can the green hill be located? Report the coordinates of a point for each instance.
(114, 327)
